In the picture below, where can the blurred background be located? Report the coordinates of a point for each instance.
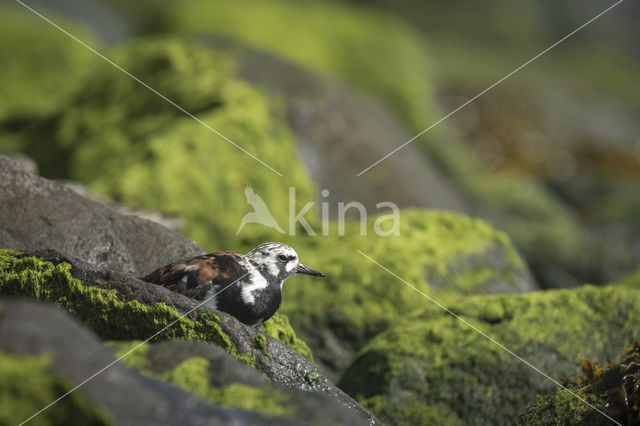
(552, 155)
(320, 90)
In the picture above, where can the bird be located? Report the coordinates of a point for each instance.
(247, 286)
(260, 213)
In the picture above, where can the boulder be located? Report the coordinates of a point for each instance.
(69, 355)
(611, 389)
(117, 305)
(433, 367)
(37, 213)
(443, 254)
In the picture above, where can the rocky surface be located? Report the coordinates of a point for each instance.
(433, 366)
(104, 295)
(612, 388)
(118, 395)
(117, 305)
(37, 213)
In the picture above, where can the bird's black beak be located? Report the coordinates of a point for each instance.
(303, 269)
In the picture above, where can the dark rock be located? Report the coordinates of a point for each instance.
(108, 302)
(37, 213)
(165, 358)
(77, 355)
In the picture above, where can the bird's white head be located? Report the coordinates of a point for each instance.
(279, 261)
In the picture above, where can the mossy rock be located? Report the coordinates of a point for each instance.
(39, 71)
(352, 47)
(39, 68)
(435, 360)
(558, 249)
(128, 143)
(610, 388)
(441, 253)
(212, 378)
(27, 385)
(106, 310)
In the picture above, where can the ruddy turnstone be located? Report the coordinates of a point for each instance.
(247, 286)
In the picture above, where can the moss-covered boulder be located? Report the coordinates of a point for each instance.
(441, 253)
(611, 388)
(340, 130)
(434, 366)
(45, 353)
(119, 306)
(39, 68)
(210, 373)
(352, 46)
(27, 384)
(128, 143)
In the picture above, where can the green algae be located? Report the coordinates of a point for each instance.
(27, 385)
(133, 353)
(127, 143)
(194, 375)
(352, 47)
(279, 328)
(435, 360)
(101, 309)
(609, 388)
(438, 252)
(260, 342)
(111, 318)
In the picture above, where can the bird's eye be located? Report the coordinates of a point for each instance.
(283, 258)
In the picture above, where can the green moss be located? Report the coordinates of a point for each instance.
(129, 144)
(193, 375)
(609, 388)
(101, 309)
(438, 252)
(433, 359)
(260, 342)
(114, 319)
(40, 65)
(27, 385)
(134, 352)
(351, 47)
(312, 377)
(279, 328)
(632, 281)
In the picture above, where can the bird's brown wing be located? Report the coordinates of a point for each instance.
(193, 277)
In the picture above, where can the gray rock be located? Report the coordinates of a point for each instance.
(276, 361)
(36, 213)
(224, 370)
(77, 355)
